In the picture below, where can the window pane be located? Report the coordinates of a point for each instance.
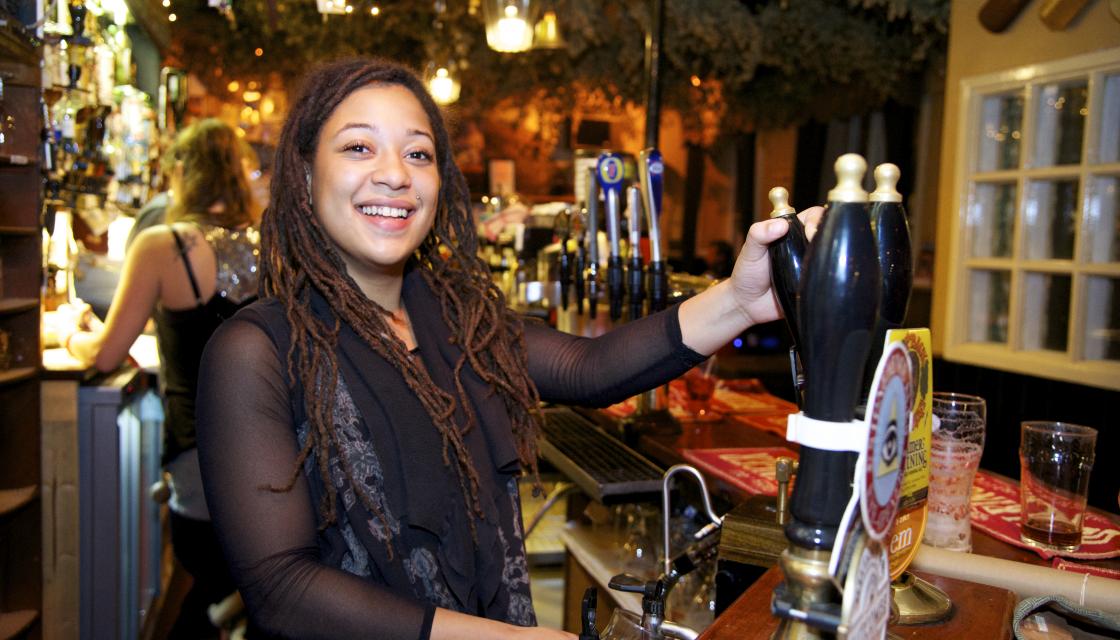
(1102, 222)
(1109, 144)
(1046, 312)
(991, 220)
(1049, 219)
(1001, 121)
(1102, 319)
(990, 292)
(1060, 123)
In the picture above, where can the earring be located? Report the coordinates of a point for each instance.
(307, 173)
(418, 200)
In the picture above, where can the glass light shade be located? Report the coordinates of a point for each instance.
(443, 82)
(509, 24)
(546, 35)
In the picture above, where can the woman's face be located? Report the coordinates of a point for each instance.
(374, 181)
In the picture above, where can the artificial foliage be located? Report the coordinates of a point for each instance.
(756, 63)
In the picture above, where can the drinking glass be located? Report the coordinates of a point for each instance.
(1055, 459)
(700, 385)
(955, 448)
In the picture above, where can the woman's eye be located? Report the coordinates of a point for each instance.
(420, 155)
(357, 147)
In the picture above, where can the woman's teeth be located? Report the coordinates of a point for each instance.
(388, 212)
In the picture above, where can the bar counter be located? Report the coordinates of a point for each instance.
(979, 610)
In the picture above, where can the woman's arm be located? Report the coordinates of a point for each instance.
(714, 317)
(648, 352)
(105, 346)
(247, 443)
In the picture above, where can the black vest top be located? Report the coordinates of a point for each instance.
(182, 334)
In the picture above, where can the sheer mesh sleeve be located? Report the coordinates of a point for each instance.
(246, 443)
(599, 372)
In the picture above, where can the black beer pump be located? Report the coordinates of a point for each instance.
(896, 274)
(838, 303)
(787, 257)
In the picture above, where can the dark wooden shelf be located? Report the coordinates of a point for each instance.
(15, 160)
(18, 231)
(16, 375)
(13, 623)
(15, 305)
(13, 499)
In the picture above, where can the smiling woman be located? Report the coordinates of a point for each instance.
(363, 426)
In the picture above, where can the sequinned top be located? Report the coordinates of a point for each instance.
(182, 334)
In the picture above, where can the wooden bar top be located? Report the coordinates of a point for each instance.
(979, 611)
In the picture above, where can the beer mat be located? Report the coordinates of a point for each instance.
(995, 511)
(749, 469)
(774, 423)
(1061, 564)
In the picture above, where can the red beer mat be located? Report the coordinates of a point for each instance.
(995, 511)
(750, 469)
(1062, 564)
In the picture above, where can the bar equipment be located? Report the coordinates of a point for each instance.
(703, 548)
(610, 175)
(651, 171)
(592, 274)
(580, 265)
(839, 299)
(564, 268)
(636, 277)
(787, 257)
(896, 274)
(587, 614)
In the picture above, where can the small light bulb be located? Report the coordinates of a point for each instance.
(375, 10)
(349, 8)
(172, 17)
(258, 52)
(167, 3)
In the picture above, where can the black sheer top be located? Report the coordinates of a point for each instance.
(341, 582)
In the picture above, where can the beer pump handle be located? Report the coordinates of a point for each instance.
(592, 276)
(610, 171)
(896, 275)
(580, 266)
(565, 262)
(651, 170)
(787, 259)
(636, 279)
(838, 301)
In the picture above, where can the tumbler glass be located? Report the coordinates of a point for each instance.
(1055, 459)
(955, 448)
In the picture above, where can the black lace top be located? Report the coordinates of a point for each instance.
(340, 582)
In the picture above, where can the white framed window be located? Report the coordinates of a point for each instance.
(1034, 285)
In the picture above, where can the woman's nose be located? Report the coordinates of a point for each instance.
(391, 171)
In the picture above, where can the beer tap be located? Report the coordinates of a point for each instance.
(636, 283)
(610, 180)
(892, 239)
(580, 265)
(565, 258)
(839, 299)
(592, 274)
(651, 171)
(787, 256)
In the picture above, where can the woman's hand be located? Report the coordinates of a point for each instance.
(751, 275)
(713, 318)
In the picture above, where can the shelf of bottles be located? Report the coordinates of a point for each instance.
(101, 131)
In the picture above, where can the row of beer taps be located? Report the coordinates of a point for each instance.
(630, 280)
